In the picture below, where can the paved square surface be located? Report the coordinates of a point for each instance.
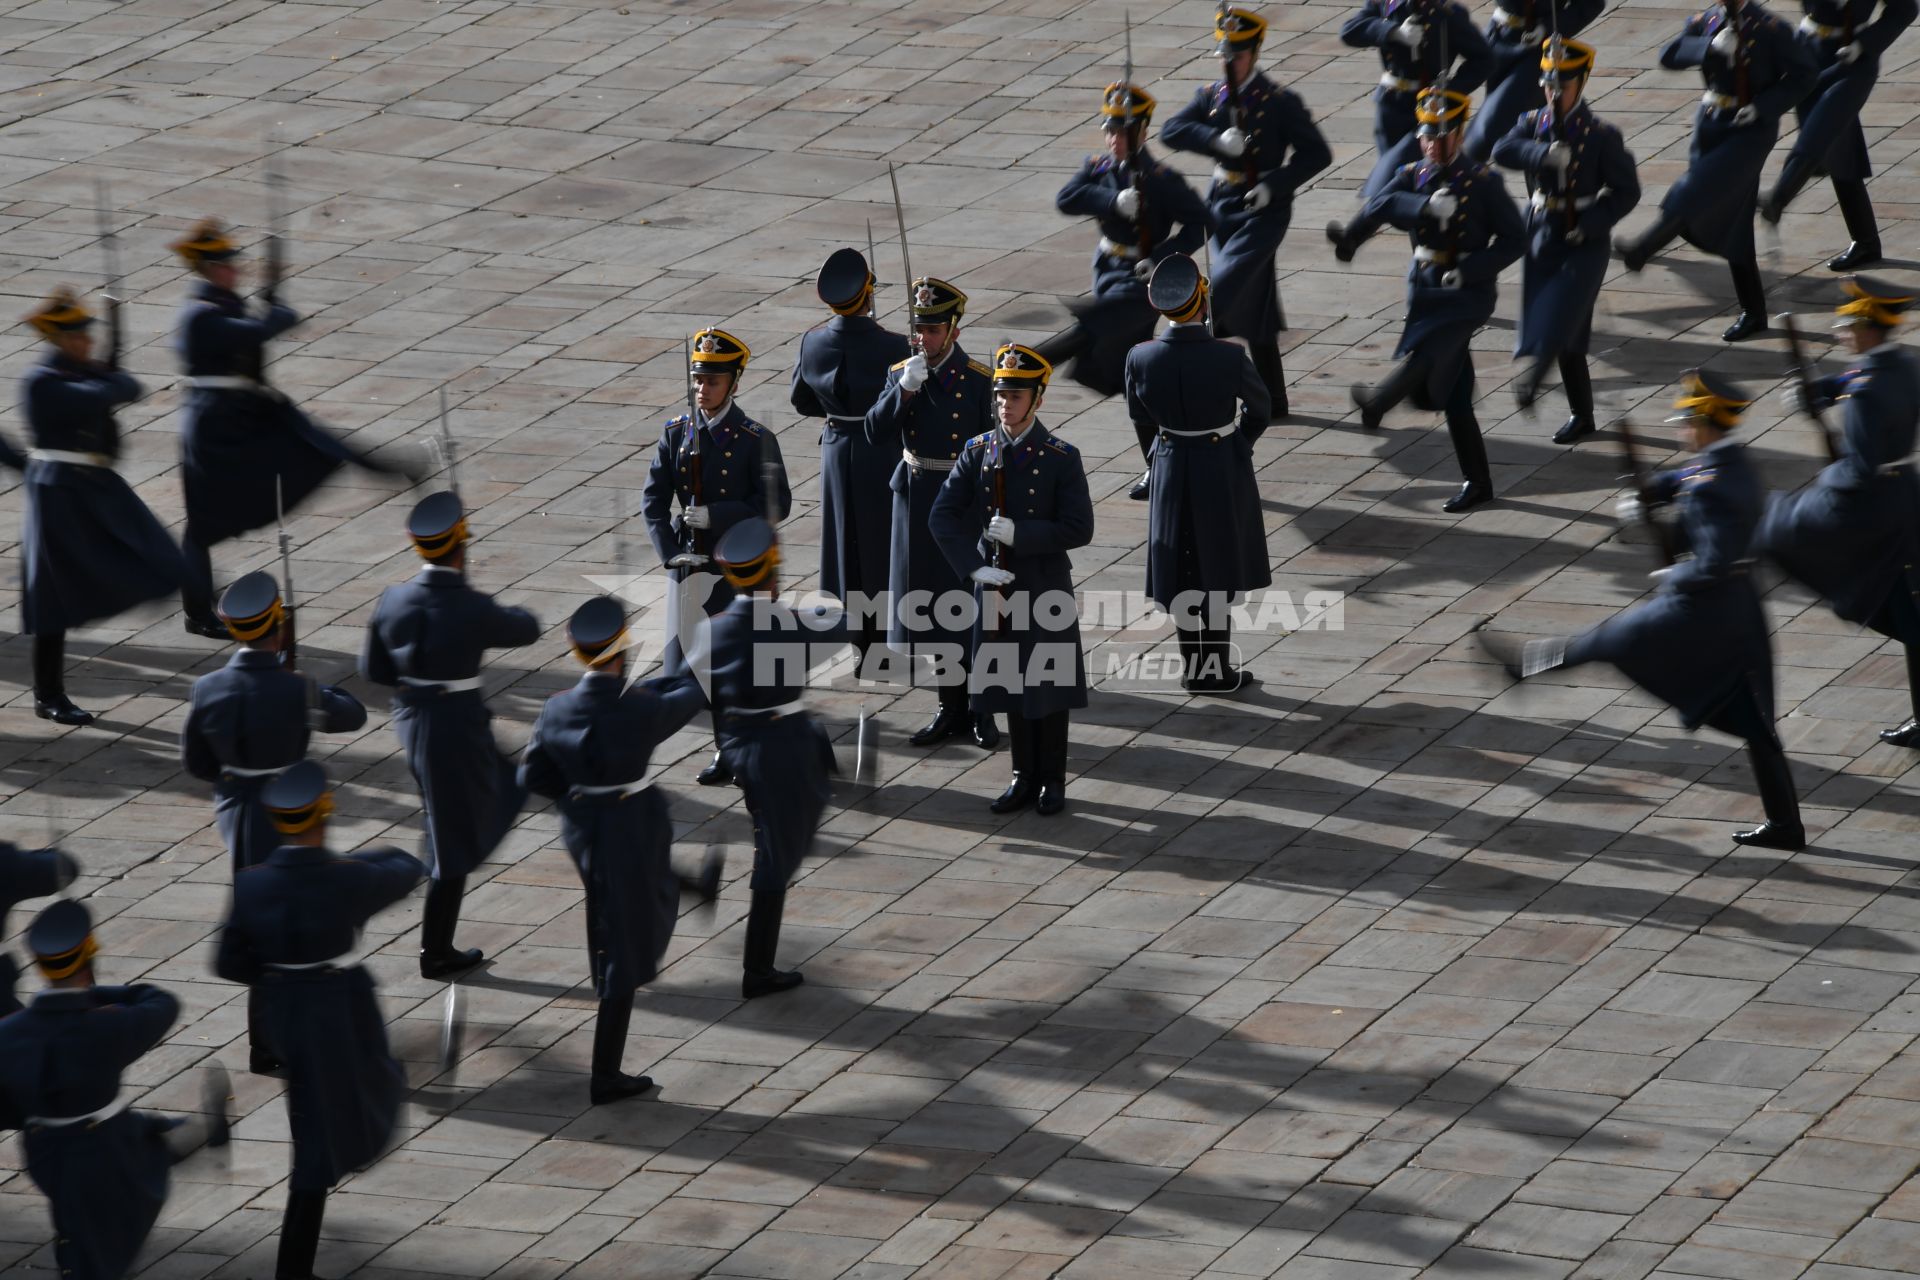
(1379, 970)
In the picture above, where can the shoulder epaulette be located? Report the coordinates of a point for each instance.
(1059, 446)
(895, 368)
(979, 441)
(749, 426)
(680, 421)
(979, 368)
(1100, 163)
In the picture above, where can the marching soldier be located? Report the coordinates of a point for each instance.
(427, 641)
(838, 374)
(722, 470)
(1583, 181)
(1851, 534)
(103, 1168)
(757, 651)
(1845, 41)
(291, 932)
(1138, 203)
(589, 754)
(1513, 88)
(1755, 71)
(1419, 41)
(1265, 147)
(1206, 537)
(239, 436)
(934, 401)
(24, 874)
(1700, 644)
(89, 547)
(1014, 505)
(1465, 231)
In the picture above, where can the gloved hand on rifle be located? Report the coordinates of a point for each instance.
(988, 576)
(697, 518)
(1558, 157)
(1143, 269)
(914, 376)
(1257, 198)
(1127, 204)
(1723, 42)
(1847, 54)
(1745, 116)
(1409, 33)
(1441, 205)
(1000, 530)
(1232, 143)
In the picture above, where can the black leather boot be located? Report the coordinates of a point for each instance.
(300, 1235)
(1050, 763)
(1752, 294)
(1471, 453)
(1782, 829)
(1266, 362)
(1637, 251)
(1526, 389)
(438, 956)
(763, 939)
(609, 1083)
(1908, 734)
(1794, 175)
(50, 700)
(1857, 208)
(949, 720)
(261, 1059)
(1576, 380)
(1375, 403)
(1020, 792)
(716, 774)
(986, 731)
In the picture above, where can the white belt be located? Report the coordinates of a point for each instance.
(226, 383)
(1719, 101)
(847, 417)
(107, 1112)
(1809, 27)
(1194, 435)
(238, 772)
(1541, 200)
(345, 960)
(919, 463)
(1423, 253)
(444, 686)
(1397, 84)
(1890, 468)
(70, 457)
(613, 789)
(1231, 177)
(1508, 18)
(784, 709)
(1130, 252)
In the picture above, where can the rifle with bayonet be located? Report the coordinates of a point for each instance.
(1557, 50)
(447, 454)
(1805, 377)
(696, 482)
(1236, 115)
(1663, 540)
(906, 261)
(275, 252)
(289, 647)
(1136, 170)
(873, 265)
(110, 292)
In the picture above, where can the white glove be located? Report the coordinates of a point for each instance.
(1745, 116)
(1442, 205)
(1257, 199)
(1723, 42)
(1847, 54)
(1796, 397)
(988, 576)
(914, 376)
(1660, 575)
(1127, 204)
(1451, 280)
(1143, 269)
(1559, 156)
(686, 560)
(1000, 530)
(1630, 510)
(1231, 143)
(697, 518)
(1576, 236)
(1534, 35)
(1409, 33)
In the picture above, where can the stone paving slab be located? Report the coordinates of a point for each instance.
(1380, 970)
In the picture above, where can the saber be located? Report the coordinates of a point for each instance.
(1663, 541)
(453, 1026)
(289, 647)
(900, 220)
(110, 249)
(446, 447)
(873, 265)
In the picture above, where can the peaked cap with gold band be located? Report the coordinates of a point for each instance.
(60, 313)
(596, 631)
(935, 301)
(1441, 111)
(748, 553)
(1237, 29)
(299, 799)
(1016, 367)
(1874, 302)
(1574, 63)
(251, 606)
(845, 282)
(1177, 290)
(207, 242)
(61, 939)
(437, 525)
(1704, 394)
(1124, 105)
(717, 351)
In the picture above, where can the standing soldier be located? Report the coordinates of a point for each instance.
(1012, 508)
(1853, 534)
(427, 640)
(934, 401)
(239, 437)
(1700, 644)
(89, 548)
(1265, 147)
(1138, 202)
(26, 873)
(589, 754)
(718, 469)
(1755, 72)
(1465, 231)
(1419, 41)
(291, 932)
(838, 374)
(102, 1167)
(757, 653)
(1583, 182)
(1206, 536)
(1845, 41)
(1514, 35)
